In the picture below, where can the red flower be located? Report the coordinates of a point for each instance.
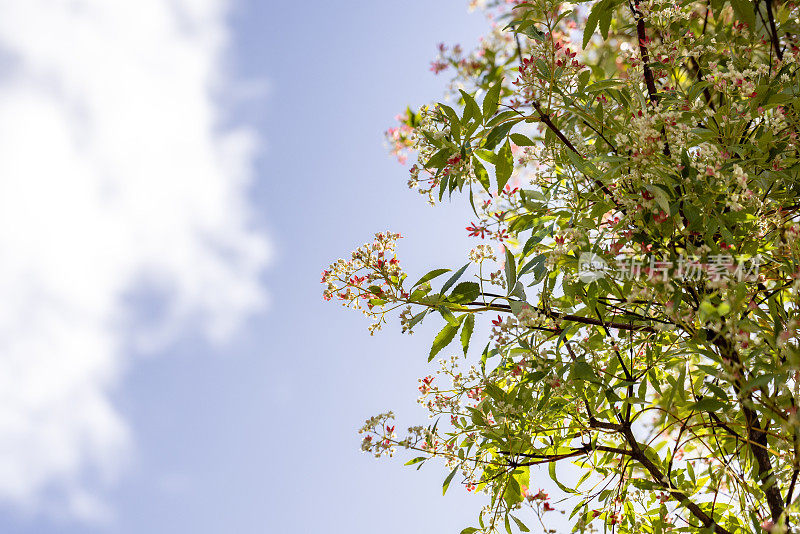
(475, 231)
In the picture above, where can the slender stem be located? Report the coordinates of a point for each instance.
(773, 37)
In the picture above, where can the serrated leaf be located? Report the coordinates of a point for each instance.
(442, 339)
(583, 78)
(453, 279)
(481, 174)
(538, 260)
(604, 84)
(486, 155)
(465, 292)
(513, 493)
(448, 315)
(466, 332)
(518, 291)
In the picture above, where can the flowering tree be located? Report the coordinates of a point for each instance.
(634, 171)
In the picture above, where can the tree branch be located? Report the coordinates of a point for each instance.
(572, 318)
(638, 454)
(649, 80)
(756, 436)
(773, 36)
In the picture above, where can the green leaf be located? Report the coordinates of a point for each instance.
(591, 23)
(430, 276)
(511, 271)
(481, 174)
(521, 140)
(743, 10)
(513, 493)
(551, 469)
(604, 84)
(416, 460)
(417, 318)
(443, 184)
(583, 77)
(448, 479)
(453, 279)
(520, 524)
(448, 316)
(492, 100)
(486, 155)
(504, 166)
(455, 123)
(661, 197)
(465, 292)
(518, 291)
(538, 260)
(466, 332)
(497, 134)
(708, 404)
(583, 371)
(605, 18)
(471, 109)
(443, 338)
(439, 159)
(470, 530)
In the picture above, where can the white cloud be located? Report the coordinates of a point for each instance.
(114, 171)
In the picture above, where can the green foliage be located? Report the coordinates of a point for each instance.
(666, 157)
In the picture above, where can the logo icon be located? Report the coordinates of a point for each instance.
(591, 267)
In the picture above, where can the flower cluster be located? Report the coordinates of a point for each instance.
(482, 253)
(370, 281)
(379, 438)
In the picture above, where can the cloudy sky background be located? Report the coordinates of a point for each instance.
(174, 175)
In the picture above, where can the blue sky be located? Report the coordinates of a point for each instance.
(255, 431)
